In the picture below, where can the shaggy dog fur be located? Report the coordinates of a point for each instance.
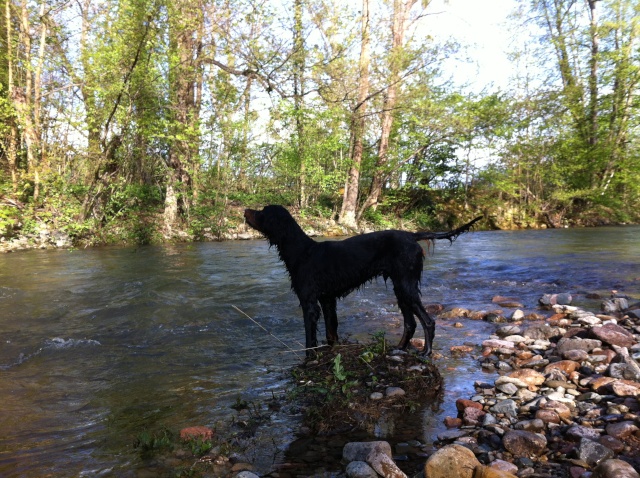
(322, 272)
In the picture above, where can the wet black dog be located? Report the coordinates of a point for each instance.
(322, 272)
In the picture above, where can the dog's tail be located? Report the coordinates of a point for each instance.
(451, 235)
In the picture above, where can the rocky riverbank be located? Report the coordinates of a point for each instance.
(565, 405)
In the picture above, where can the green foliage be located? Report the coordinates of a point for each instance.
(149, 443)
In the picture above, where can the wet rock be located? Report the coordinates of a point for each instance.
(524, 443)
(452, 461)
(613, 334)
(452, 422)
(622, 430)
(517, 315)
(507, 330)
(450, 435)
(507, 388)
(384, 465)
(611, 306)
(602, 384)
(360, 469)
(498, 344)
(592, 452)
(473, 416)
(615, 469)
(463, 403)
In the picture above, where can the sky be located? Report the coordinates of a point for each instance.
(482, 25)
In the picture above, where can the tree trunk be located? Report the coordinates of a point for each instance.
(380, 174)
(298, 98)
(185, 82)
(350, 199)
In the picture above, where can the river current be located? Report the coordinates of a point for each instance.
(98, 345)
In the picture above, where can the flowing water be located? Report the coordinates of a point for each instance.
(98, 345)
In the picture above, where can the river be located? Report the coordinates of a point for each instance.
(100, 344)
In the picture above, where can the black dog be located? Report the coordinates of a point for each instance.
(322, 272)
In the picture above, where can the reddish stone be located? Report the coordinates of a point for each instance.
(461, 349)
(621, 430)
(528, 376)
(608, 353)
(613, 334)
(566, 366)
(194, 433)
(560, 408)
(463, 403)
(473, 416)
(451, 422)
(626, 388)
(548, 416)
(523, 443)
(601, 384)
(611, 443)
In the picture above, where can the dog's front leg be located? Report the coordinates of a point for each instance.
(311, 314)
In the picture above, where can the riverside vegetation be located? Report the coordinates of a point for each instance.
(148, 121)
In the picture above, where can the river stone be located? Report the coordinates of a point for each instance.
(561, 409)
(612, 443)
(498, 344)
(590, 320)
(548, 416)
(587, 345)
(576, 355)
(507, 330)
(626, 388)
(507, 407)
(515, 381)
(613, 334)
(384, 465)
(534, 425)
(507, 388)
(566, 366)
(593, 452)
(248, 474)
(451, 461)
(359, 451)
(524, 443)
(473, 416)
(463, 403)
(503, 466)
(621, 430)
(360, 469)
(517, 315)
(394, 392)
(615, 468)
(542, 332)
(528, 376)
(577, 432)
(450, 435)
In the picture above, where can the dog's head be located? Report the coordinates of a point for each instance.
(273, 221)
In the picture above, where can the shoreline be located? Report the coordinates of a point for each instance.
(566, 403)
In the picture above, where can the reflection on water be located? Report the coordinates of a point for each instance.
(97, 345)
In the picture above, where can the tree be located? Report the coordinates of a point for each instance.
(357, 126)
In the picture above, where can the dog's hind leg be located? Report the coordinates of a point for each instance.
(330, 315)
(428, 324)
